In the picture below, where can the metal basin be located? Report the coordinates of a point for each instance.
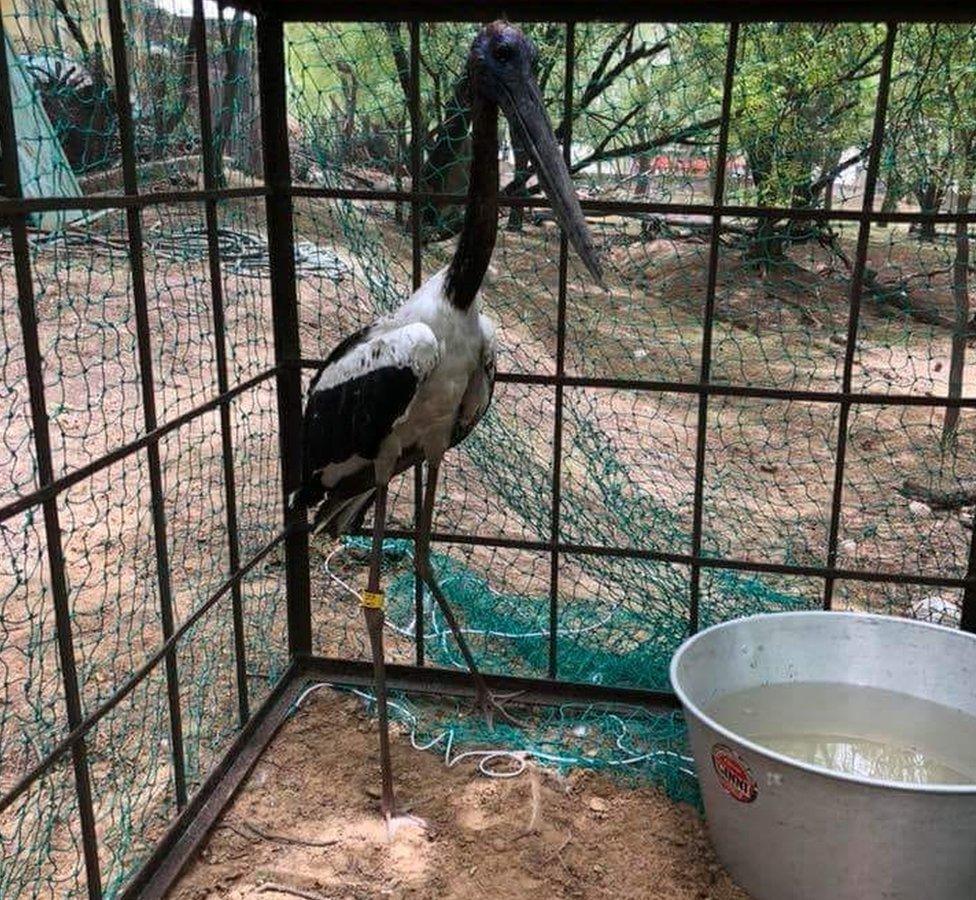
(789, 830)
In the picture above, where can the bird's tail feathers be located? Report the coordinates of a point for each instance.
(307, 496)
(340, 515)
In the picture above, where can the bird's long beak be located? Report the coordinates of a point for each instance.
(526, 114)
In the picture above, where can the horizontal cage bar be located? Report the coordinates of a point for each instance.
(82, 728)
(706, 562)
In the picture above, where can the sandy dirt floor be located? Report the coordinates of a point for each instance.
(307, 824)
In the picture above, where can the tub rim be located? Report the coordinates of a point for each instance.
(963, 790)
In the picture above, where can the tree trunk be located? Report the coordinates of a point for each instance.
(889, 203)
(929, 200)
(960, 294)
(399, 165)
(767, 246)
(642, 183)
(166, 119)
(445, 169)
(228, 92)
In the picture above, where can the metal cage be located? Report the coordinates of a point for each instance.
(257, 725)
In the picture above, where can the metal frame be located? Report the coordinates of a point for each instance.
(845, 398)
(199, 811)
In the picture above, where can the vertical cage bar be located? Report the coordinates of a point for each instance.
(210, 182)
(45, 474)
(130, 179)
(968, 622)
(708, 323)
(284, 303)
(853, 319)
(557, 431)
(417, 275)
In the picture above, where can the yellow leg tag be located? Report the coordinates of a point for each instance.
(372, 600)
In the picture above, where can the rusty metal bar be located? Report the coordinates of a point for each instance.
(10, 206)
(853, 320)
(686, 559)
(456, 682)
(210, 182)
(45, 473)
(284, 301)
(633, 207)
(17, 206)
(557, 430)
(75, 738)
(614, 10)
(968, 621)
(59, 485)
(416, 147)
(725, 390)
(140, 299)
(708, 322)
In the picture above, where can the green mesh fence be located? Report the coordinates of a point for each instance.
(82, 273)
(644, 124)
(646, 110)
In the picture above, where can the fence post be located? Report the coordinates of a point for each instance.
(558, 399)
(854, 314)
(140, 300)
(708, 325)
(45, 475)
(968, 622)
(416, 143)
(284, 304)
(210, 182)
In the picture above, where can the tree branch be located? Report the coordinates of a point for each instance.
(676, 137)
(72, 24)
(601, 154)
(399, 57)
(831, 174)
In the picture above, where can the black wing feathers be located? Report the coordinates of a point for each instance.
(353, 417)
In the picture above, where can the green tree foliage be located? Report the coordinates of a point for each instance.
(933, 155)
(802, 96)
(932, 119)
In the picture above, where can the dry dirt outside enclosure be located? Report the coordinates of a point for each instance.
(306, 824)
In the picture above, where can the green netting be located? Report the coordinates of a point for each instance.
(645, 122)
(645, 116)
(625, 742)
(82, 273)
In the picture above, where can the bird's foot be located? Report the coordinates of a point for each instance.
(494, 704)
(395, 823)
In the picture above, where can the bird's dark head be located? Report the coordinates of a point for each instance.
(501, 69)
(501, 61)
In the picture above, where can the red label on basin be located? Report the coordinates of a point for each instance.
(733, 774)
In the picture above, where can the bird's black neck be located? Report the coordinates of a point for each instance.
(467, 269)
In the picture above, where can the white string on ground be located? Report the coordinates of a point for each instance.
(485, 757)
(489, 757)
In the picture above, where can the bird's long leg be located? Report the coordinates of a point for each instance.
(486, 700)
(374, 616)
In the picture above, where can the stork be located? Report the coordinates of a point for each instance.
(408, 387)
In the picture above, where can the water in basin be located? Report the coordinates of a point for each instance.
(869, 732)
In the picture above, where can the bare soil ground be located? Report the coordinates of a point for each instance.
(769, 474)
(307, 825)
